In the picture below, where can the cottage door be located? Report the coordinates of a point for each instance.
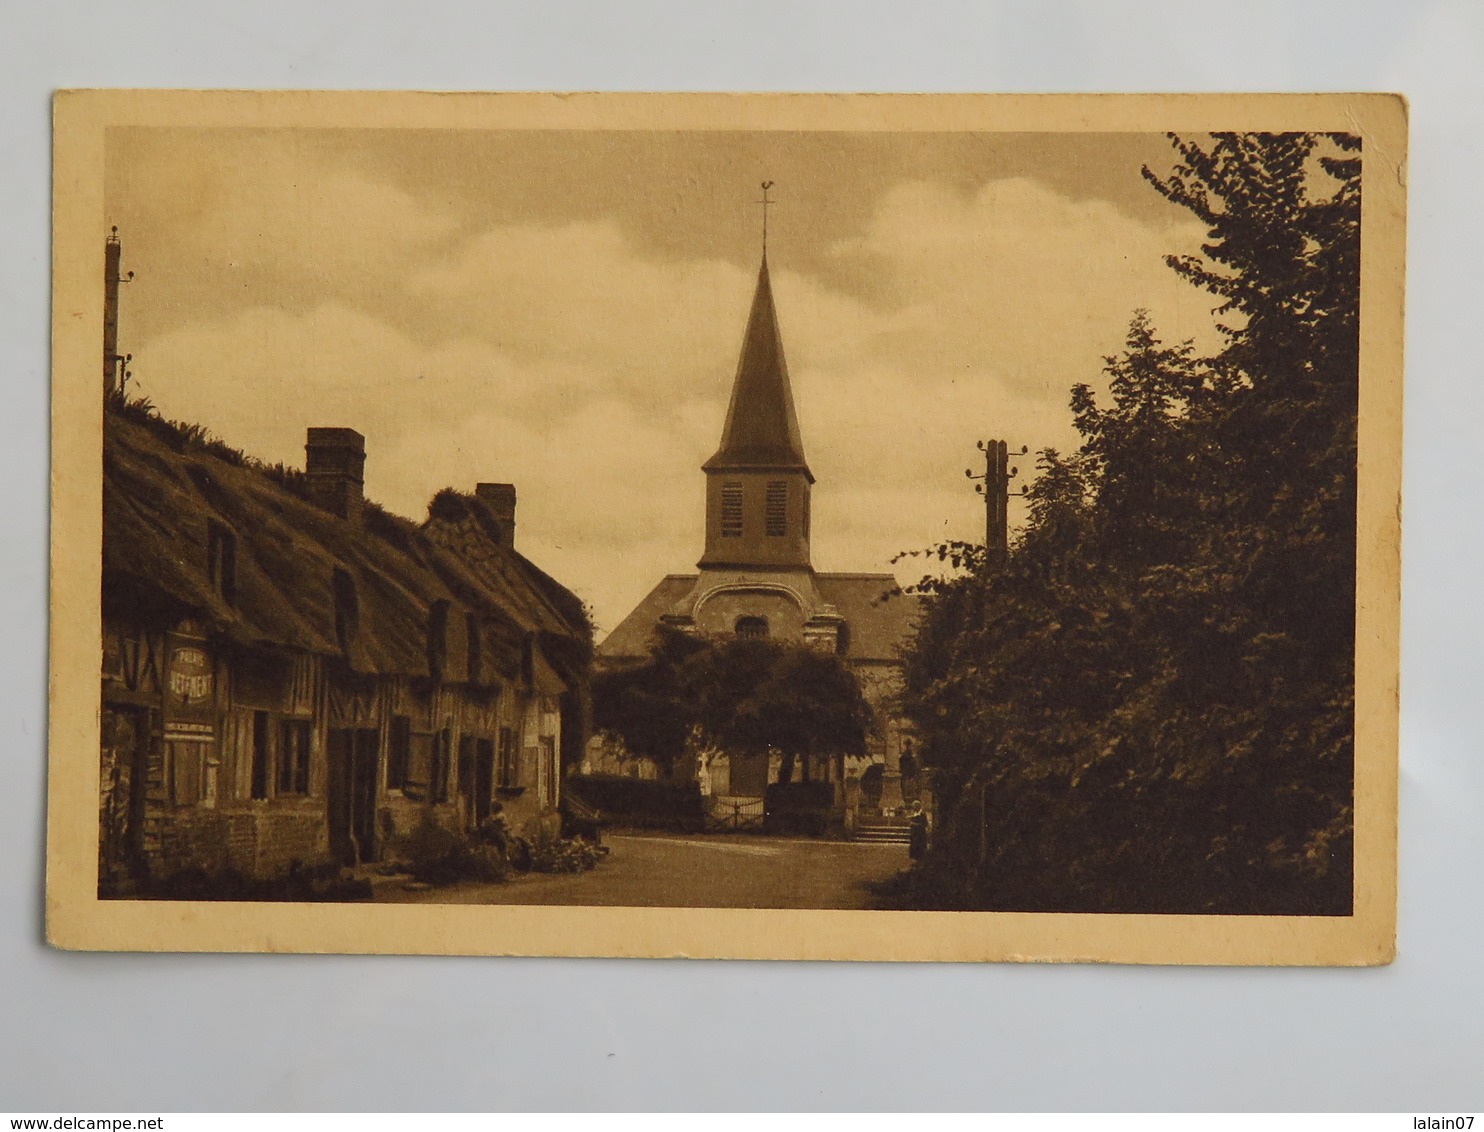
(125, 779)
(484, 778)
(466, 781)
(338, 795)
(366, 780)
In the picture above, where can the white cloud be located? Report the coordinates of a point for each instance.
(267, 208)
(595, 378)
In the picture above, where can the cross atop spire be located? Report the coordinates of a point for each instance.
(762, 429)
(765, 202)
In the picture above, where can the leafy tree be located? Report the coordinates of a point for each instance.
(1150, 706)
(758, 696)
(746, 696)
(649, 707)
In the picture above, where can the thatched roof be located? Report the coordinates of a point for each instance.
(160, 499)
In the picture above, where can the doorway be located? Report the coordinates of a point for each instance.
(484, 778)
(476, 779)
(354, 775)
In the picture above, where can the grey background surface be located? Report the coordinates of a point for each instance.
(121, 1032)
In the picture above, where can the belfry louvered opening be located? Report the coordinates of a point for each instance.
(731, 510)
(777, 508)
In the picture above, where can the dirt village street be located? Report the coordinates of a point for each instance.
(691, 871)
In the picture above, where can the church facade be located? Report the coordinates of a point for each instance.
(755, 578)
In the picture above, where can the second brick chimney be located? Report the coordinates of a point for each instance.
(499, 499)
(334, 465)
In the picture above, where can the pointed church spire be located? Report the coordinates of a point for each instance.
(762, 430)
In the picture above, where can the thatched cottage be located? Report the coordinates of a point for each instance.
(293, 676)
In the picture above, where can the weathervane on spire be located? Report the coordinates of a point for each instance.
(765, 202)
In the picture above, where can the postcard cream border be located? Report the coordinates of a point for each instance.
(76, 918)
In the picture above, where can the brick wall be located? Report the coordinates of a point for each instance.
(260, 844)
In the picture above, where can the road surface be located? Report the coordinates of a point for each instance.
(700, 871)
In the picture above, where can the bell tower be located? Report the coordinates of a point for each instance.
(758, 483)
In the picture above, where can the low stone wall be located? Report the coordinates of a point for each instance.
(257, 843)
(400, 815)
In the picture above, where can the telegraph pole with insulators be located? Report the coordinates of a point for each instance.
(994, 485)
(115, 371)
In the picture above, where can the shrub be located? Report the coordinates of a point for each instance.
(435, 855)
(565, 855)
(645, 803)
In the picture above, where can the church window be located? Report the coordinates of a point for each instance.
(752, 628)
(731, 510)
(777, 508)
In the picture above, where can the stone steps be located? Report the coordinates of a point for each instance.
(883, 832)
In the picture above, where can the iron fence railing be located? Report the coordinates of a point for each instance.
(734, 812)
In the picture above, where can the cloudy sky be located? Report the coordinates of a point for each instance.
(563, 310)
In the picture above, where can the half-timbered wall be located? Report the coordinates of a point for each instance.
(217, 758)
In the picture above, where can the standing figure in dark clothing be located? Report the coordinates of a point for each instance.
(917, 833)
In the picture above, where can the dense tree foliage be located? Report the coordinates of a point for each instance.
(1150, 707)
(744, 696)
(649, 707)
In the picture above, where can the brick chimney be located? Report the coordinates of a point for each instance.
(334, 460)
(499, 499)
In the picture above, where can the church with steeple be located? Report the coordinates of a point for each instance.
(756, 577)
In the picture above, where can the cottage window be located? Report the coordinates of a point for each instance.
(752, 628)
(442, 758)
(777, 508)
(419, 766)
(221, 560)
(293, 756)
(347, 608)
(731, 509)
(508, 768)
(438, 639)
(261, 754)
(399, 752)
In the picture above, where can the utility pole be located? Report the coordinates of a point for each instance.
(115, 366)
(994, 485)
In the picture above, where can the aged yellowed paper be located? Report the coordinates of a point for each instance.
(538, 525)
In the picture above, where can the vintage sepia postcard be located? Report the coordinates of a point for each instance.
(872, 527)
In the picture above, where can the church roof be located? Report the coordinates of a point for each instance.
(762, 429)
(631, 637)
(878, 616)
